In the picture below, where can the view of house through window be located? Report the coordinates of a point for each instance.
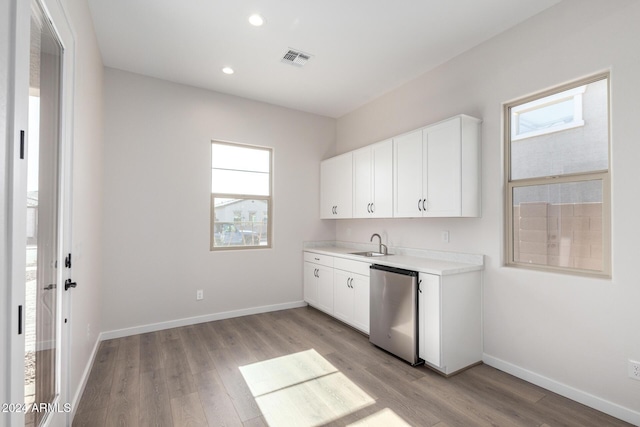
(557, 146)
(240, 196)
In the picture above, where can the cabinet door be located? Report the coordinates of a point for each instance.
(343, 296)
(325, 288)
(310, 283)
(442, 145)
(408, 175)
(360, 292)
(336, 187)
(429, 318)
(362, 182)
(382, 184)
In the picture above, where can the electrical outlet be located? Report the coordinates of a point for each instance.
(445, 236)
(634, 370)
(199, 295)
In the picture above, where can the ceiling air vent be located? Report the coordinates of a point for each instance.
(295, 57)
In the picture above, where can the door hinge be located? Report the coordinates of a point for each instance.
(67, 261)
(21, 144)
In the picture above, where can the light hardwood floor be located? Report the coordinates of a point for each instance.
(191, 376)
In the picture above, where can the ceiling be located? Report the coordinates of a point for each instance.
(361, 48)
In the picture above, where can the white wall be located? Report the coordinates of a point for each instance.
(572, 331)
(86, 245)
(157, 201)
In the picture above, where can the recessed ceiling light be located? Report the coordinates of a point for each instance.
(256, 20)
(227, 70)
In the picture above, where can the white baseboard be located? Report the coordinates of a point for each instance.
(119, 333)
(580, 396)
(83, 380)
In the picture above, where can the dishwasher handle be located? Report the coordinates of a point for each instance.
(394, 270)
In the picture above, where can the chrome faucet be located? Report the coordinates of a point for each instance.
(381, 247)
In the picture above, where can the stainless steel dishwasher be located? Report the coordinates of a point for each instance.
(394, 311)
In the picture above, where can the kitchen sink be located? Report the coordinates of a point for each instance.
(369, 254)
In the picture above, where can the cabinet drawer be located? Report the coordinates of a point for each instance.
(318, 259)
(357, 267)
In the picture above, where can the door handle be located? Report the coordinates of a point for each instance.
(69, 284)
(50, 287)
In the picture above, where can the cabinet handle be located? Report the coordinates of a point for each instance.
(419, 200)
(369, 207)
(419, 286)
(423, 202)
(372, 208)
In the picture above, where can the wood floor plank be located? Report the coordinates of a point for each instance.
(260, 346)
(216, 403)
(129, 348)
(562, 411)
(453, 406)
(227, 367)
(124, 400)
(150, 356)
(256, 422)
(266, 331)
(95, 418)
(301, 335)
(210, 336)
(507, 383)
(197, 355)
(155, 403)
(177, 372)
(187, 411)
(98, 389)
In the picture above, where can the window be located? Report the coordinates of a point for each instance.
(552, 113)
(241, 187)
(557, 179)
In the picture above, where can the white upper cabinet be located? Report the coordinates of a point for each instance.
(431, 172)
(336, 187)
(373, 181)
(437, 170)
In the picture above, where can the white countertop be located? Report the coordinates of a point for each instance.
(432, 262)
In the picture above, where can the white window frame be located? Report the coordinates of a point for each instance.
(268, 198)
(573, 94)
(601, 175)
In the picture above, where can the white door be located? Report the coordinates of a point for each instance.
(382, 179)
(336, 187)
(443, 169)
(40, 205)
(362, 182)
(325, 288)
(310, 283)
(342, 296)
(361, 300)
(408, 158)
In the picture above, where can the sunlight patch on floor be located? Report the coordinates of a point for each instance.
(384, 418)
(302, 389)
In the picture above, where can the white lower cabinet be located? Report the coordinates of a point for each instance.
(351, 299)
(339, 287)
(318, 281)
(351, 292)
(449, 318)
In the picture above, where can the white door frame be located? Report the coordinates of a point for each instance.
(17, 105)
